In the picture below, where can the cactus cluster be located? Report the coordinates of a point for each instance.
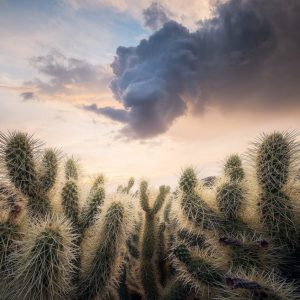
(234, 238)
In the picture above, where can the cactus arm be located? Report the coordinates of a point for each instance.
(160, 199)
(106, 260)
(17, 153)
(144, 198)
(49, 169)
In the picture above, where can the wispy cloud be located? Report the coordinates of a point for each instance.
(27, 96)
(67, 74)
(156, 15)
(114, 114)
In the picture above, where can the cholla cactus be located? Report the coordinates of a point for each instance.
(149, 279)
(101, 272)
(202, 275)
(10, 233)
(49, 169)
(233, 168)
(43, 261)
(18, 155)
(193, 209)
(70, 196)
(192, 244)
(274, 157)
(231, 197)
(92, 207)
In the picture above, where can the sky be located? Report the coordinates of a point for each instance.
(143, 88)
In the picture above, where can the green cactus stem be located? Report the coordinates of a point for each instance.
(148, 273)
(107, 259)
(49, 169)
(18, 155)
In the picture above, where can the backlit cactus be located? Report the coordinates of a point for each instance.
(233, 168)
(274, 159)
(102, 271)
(202, 275)
(49, 169)
(92, 208)
(70, 194)
(148, 274)
(18, 151)
(192, 206)
(43, 261)
(200, 241)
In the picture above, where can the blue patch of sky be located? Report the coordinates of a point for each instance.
(96, 32)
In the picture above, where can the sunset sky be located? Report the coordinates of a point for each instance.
(142, 88)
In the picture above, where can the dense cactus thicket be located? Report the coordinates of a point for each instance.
(234, 238)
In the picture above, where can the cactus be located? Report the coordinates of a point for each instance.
(130, 184)
(177, 290)
(18, 151)
(71, 169)
(231, 194)
(43, 261)
(105, 265)
(149, 280)
(10, 229)
(70, 197)
(274, 157)
(188, 180)
(233, 168)
(92, 208)
(199, 273)
(10, 233)
(230, 197)
(49, 169)
(194, 244)
(193, 207)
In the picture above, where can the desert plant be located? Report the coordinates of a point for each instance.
(101, 272)
(150, 282)
(19, 159)
(70, 194)
(194, 243)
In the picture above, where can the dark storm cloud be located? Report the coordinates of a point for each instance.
(64, 72)
(155, 16)
(247, 57)
(26, 96)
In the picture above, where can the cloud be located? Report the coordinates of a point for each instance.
(27, 96)
(247, 56)
(155, 16)
(67, 74)
(115, 114)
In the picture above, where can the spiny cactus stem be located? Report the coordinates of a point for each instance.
(147, 269)
(159, 200)
(144, 198)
